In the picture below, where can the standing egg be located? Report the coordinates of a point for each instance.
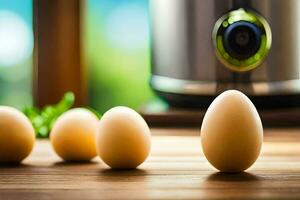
(231, 132)
(17, 135)
(73, 135)
(123, 140)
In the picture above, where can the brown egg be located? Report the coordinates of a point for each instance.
(17, 135)
(231, 132)
(73, 135)
(123, 140)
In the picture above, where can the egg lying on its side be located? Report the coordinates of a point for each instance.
(17, 135)
(73, 135)
(123, 140)
(231, 132)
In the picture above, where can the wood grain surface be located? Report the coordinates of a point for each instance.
(176, 169)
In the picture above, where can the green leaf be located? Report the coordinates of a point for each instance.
(43, 120)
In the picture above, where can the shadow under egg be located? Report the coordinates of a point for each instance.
(233, 177)
(122, 172)
(13, 165)
(70, 163)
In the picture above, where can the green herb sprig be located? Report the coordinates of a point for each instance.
(43, 120)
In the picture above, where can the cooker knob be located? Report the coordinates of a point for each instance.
(242, 40)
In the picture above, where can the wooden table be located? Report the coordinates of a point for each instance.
(176, 169)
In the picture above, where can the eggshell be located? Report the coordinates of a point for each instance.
(231, 132)
(17, 135)
(123, 140)
(73, 135)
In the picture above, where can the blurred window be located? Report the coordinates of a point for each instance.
(117, 53)
(16, 46)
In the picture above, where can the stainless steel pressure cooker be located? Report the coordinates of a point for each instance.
(203, 47)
